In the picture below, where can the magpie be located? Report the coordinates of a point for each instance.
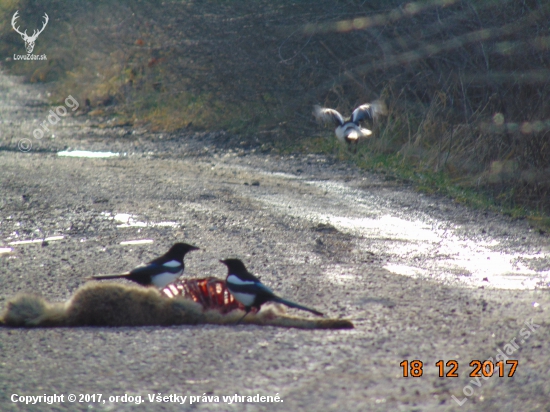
(159, 272)
(248, 290)
(348, 130)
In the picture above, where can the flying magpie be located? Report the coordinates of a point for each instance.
(159, 272)
(247, 289)
(349, 130)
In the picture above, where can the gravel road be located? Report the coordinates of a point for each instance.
(421, 277)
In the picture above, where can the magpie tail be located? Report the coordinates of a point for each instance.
(296, 306)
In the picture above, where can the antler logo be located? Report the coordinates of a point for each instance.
(29, 40)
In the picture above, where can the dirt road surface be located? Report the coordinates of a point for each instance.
(421, 277)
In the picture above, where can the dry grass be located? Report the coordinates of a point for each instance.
(466, 81)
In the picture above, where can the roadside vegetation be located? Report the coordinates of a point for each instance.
(466, 82)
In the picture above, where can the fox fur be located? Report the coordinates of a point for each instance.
(113, 304)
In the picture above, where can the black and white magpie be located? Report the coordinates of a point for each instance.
(349, 130)
(248, 290)
(159, 272)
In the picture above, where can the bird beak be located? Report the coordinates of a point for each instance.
(194, 248)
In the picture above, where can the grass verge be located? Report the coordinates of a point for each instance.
(395, 166)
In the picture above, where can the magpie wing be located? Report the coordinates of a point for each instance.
(328, 115)
(368, 110)
(252, 288)
(154, 269)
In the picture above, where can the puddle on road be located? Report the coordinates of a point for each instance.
(125, 220)
(86, 153)
(443, 254)
(129, 220)
(26, 242)
(502, 281)
(137, 242)
(385, 226)
(435, 253)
